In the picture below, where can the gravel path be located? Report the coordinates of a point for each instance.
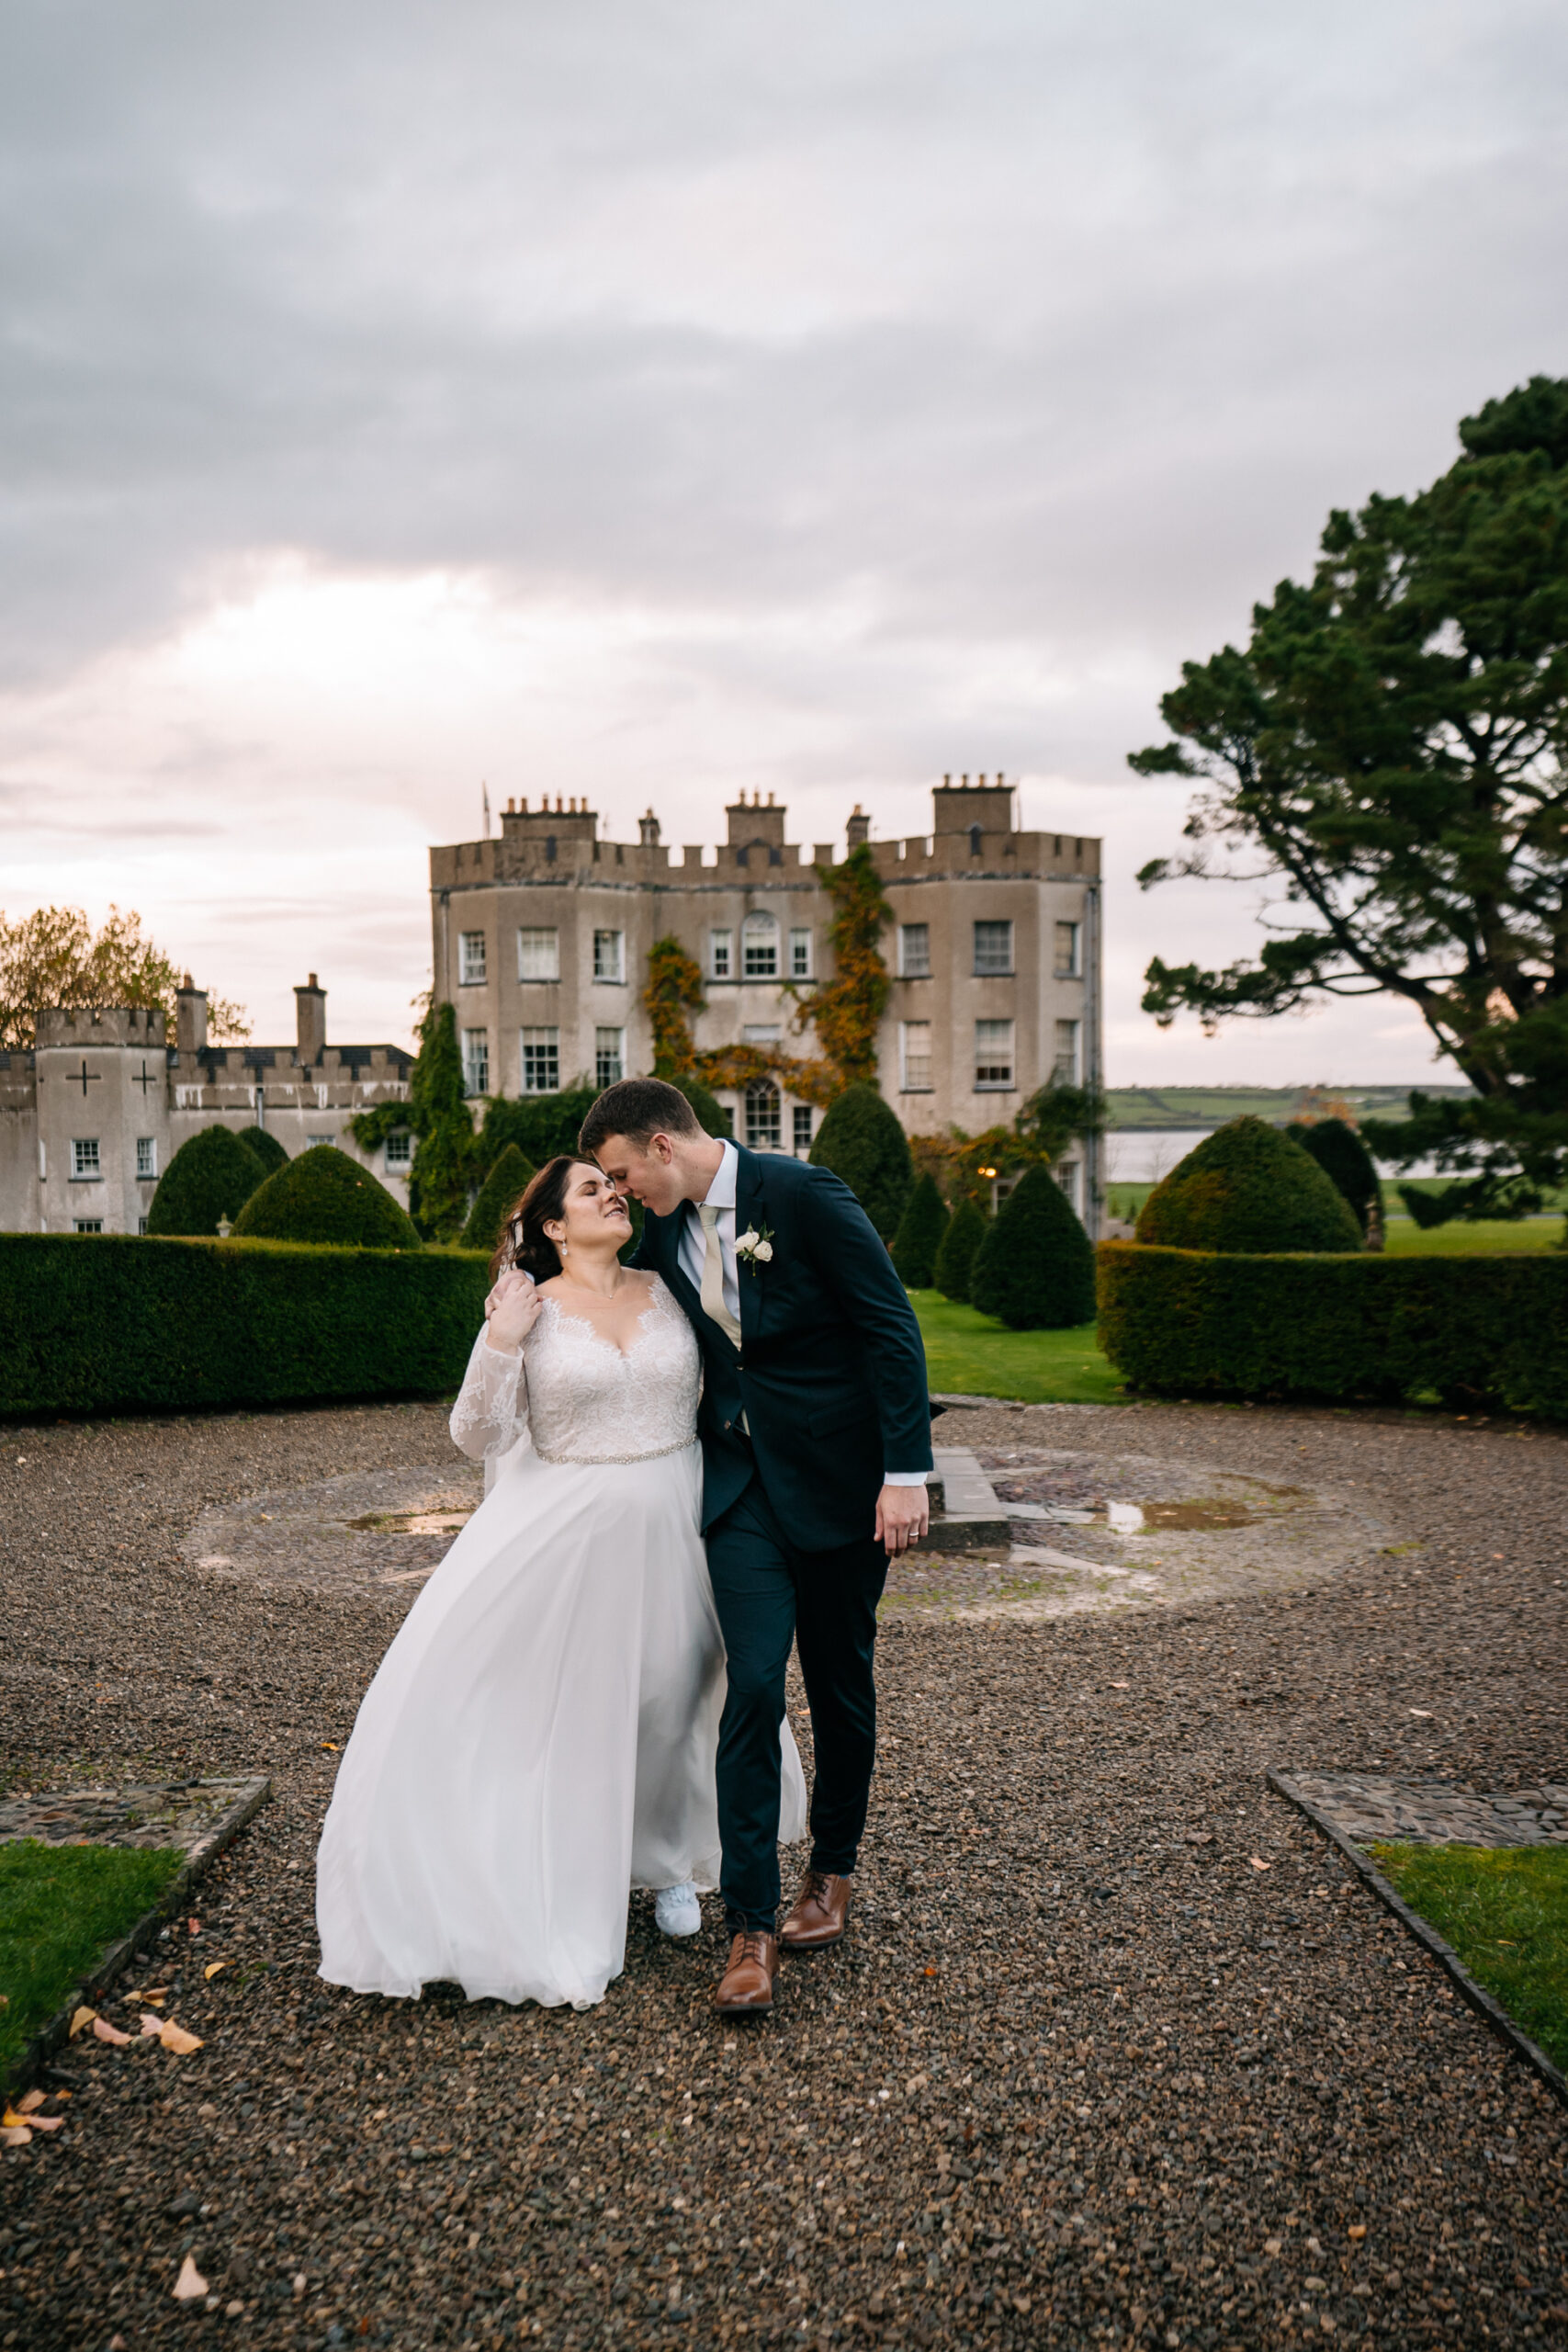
(1085, 2073)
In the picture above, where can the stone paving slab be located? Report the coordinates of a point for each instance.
(187, 1814)
(1373, 1809)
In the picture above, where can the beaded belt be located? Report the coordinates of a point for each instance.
(604, 1461)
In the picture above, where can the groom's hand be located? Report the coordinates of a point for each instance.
(903, 1515)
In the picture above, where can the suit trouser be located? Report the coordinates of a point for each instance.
(769, 1593)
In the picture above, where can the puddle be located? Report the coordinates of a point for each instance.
(396, 1522)
(1194, 1516)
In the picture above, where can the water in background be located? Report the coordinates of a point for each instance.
(1143, 1155)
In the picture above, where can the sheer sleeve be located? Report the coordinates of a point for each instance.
(492, 1410)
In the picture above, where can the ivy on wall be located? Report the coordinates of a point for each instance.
(673, 989)
(846, 1011)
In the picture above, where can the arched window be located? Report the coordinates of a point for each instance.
(763, 1129)
(760, 948)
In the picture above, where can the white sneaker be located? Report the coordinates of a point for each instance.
(677, 1910)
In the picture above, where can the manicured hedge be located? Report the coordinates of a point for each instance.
(1034, 1270)
(325, 1197)
(1247, 1187)
(1469, 1330)
(862, 1141)
(109, 1323)
(920, 1235)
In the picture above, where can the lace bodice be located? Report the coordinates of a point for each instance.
(579, 1396)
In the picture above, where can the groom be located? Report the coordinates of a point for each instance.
(816, 1430)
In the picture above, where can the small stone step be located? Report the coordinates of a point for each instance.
(966, 1513)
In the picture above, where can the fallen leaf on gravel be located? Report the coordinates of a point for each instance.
(150, 2024)
(26, 2104)
(1357, 2229)
(46, 2122)
(331, 1744)
(175, 2037)
(11, 2120)
(1121, 1686)
(190, 2285)
(194, 1927)
(82, 2018)
(1260, 1865)
(210, 1971)
(107, 2032)
(1425, 1713)
(15, 2135)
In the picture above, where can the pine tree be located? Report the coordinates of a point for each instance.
(920, 1233)
(510, 1175)
(862, 1141)
(1035, 1270)
(960, 1247)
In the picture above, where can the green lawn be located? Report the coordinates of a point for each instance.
(61, 1907)
(972, 1355)
(1500, 1238)
(1506, 1913)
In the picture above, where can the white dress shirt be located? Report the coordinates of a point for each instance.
(693, 1249)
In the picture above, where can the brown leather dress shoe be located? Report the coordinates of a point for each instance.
(746, 1989)
(821, 1908)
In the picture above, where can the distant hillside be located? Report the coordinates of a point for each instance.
(1210, 1106)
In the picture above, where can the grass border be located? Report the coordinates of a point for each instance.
(90, 1989)
(1486, 2006)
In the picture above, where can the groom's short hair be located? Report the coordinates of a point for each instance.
(639, 1109)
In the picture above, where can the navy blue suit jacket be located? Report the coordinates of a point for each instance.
(830, 1374)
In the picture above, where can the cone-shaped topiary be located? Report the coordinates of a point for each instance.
(920, 1235)
(326, 1196)
(1035, 1270)
(960, 1247)
(1247, 1189)
(863, 1143)
(1344, 1160)
(508, 1177)
(211, 1176)
(267, 1149)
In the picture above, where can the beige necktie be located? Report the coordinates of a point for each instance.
(713, 1273)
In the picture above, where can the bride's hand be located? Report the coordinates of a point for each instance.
(511, 1312)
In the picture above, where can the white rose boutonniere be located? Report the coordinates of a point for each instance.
(754, 1247)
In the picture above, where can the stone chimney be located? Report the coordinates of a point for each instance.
(647, 831)
(858, 829)
(190, 1018)
(310, 1022)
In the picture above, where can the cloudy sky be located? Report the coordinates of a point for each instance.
(652, 399)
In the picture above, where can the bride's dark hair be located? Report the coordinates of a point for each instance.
(523, 1241)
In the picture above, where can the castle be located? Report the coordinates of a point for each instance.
(541, 941)
(91, 1115)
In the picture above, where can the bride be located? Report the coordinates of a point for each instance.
(541, 1736)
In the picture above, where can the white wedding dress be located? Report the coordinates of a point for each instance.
(540, 1737)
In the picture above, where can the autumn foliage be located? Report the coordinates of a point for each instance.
(54, 956)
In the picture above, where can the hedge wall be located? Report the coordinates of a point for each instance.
(1469, 1330)
(109, 1323)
